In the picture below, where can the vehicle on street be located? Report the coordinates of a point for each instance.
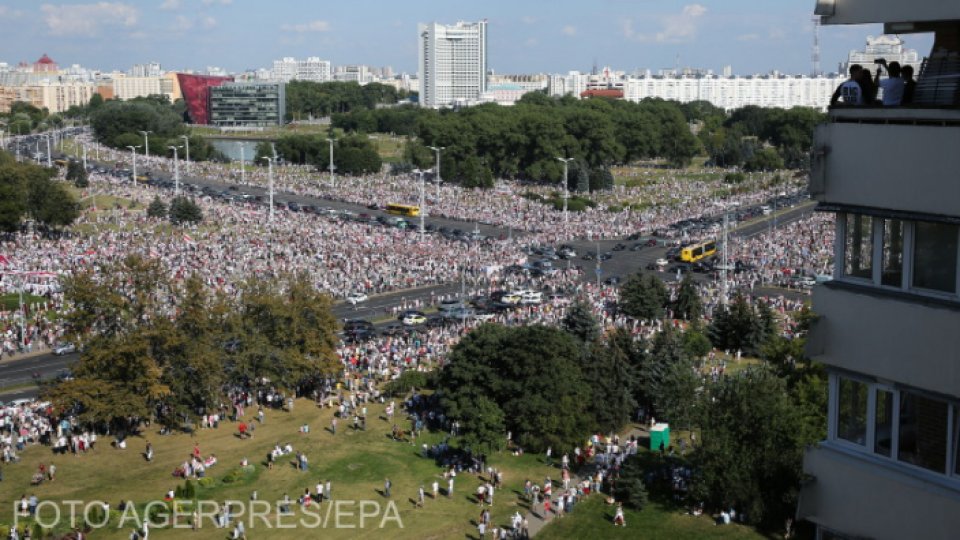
(662, 263)
(64, 348)
(450, 305)
(412, 318)
(356, 298)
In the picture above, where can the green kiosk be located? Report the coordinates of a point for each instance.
(659, 433)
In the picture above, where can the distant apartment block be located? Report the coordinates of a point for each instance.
(311, 69)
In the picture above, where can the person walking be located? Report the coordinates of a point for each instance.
(386, 487)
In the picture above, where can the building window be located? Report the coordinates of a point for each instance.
(883, 423)
(923, 432)
(891, 265)
(858, 247)
(935, 256)
(852, 411)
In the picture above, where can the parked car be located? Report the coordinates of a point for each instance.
(64, 348)
(356, 297)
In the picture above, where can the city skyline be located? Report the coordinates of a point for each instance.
(194, 34)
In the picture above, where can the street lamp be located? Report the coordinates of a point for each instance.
(49, 160)
(133, 152)
(146, 142)
(422, 227)
(176, 171)
(332, 167)
(437, 149)
(243, 168)
(186, 141)
(270, 175)
(566, 185)
(84, 146)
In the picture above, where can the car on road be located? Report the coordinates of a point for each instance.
(461, 313)
(356, 298)
(588, 256)
(412, 318)
(619, 247)
(636, 247)
(450, 305)
(64, 348)
(606, 256)
(612, 280)
(662, 263)
(531, 297)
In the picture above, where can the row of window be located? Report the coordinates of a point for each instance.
(917, 256)
(901, 425)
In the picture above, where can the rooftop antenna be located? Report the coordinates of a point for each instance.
(594, 71)
(816, 46)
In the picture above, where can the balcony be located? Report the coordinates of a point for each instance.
(896, 158)
(885, 11)
(863, 497)
(893, 336)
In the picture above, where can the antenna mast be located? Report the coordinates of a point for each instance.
(816, 46)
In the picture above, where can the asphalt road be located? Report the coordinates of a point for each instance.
(622, 264)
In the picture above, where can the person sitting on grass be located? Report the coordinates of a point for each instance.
(618, 519)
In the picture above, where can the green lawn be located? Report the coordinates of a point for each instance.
(356, 464)
(593, 518)
(10, 302)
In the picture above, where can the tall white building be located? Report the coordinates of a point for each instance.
(887, 47)
(151, 69)
(311, 69)
(774, 90)
(453, 63)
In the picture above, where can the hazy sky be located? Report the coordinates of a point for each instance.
(525, 36)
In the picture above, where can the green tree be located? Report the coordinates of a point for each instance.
(77, 174)
(612, 380)
(688, 305)
(581, 323)
(643, 296)
(184, 210)
(157, 209)
(668, 380)
(751, 453)
(765, 159)
(630, 488)
(13, 193)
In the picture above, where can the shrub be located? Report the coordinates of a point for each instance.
(406, 382)
(184, 210)
(157, 209)
(733, 178)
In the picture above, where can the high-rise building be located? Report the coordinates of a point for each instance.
(887, 47)
(248, 104)
(453, 63)
(887, 328)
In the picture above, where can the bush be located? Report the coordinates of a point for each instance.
(206, 482)
(614, 209)
(237, 474)
(630, 489)
(733, 178)
(187, 491)
(184, 210)
(157, 209)
(406, 382)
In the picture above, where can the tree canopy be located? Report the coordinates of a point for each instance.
(28, 190)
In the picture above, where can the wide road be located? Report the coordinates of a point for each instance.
(17, 373)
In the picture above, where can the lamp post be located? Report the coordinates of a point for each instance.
(176, 171)
(566, 185)
(133, 152)
(243, 166)
(84, 146)
(186, 142)
(437, 149)
(332, 167)
(146, 142)
(49, 159)
(270, 175)
(422, 187)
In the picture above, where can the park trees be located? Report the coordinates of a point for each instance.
(29, 190)
(77, 174)
(184, 210)
(688, 305)
(171, 359)
(532, 374)
(644, 296)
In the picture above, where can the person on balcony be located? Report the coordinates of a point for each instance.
(909, 85)
(892, 86)
(850, 91)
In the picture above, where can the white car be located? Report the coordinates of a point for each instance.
(511, 298)
(356, 297)
(662, 262)
(531, 297)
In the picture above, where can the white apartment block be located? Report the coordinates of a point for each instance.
(452, 63)
(151, 69)
(735, 92)
(132, 87)
(311, 69)
(358, 73)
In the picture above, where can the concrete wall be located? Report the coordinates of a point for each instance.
(880, 11)
(903, 341)
(899, 167)
(857, 496)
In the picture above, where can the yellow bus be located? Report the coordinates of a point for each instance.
(698, 252)
(60, 162)
(403, 209)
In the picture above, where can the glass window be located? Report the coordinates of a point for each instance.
(858, 247)
(852, 411)
(923, 432)
(883, 424)
(935, 256)
(892, 263)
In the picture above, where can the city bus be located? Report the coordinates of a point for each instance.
(403, 209)
(698, 252)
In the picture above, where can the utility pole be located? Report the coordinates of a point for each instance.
(566, 186)
(723, 270)
(146, 142)
(176, 171)
(49, 159)
(438, 149)
(133, 151)
(422, 209)
(186, 141)
(332, 166)
(270, 175)
(84, 146)
(243, 165)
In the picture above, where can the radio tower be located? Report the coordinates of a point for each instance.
(816, 46)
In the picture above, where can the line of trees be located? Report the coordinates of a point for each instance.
(31, 191)
(312, 99)
(140, 362)
(24, 118)
(353, 155)
(119, 124)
